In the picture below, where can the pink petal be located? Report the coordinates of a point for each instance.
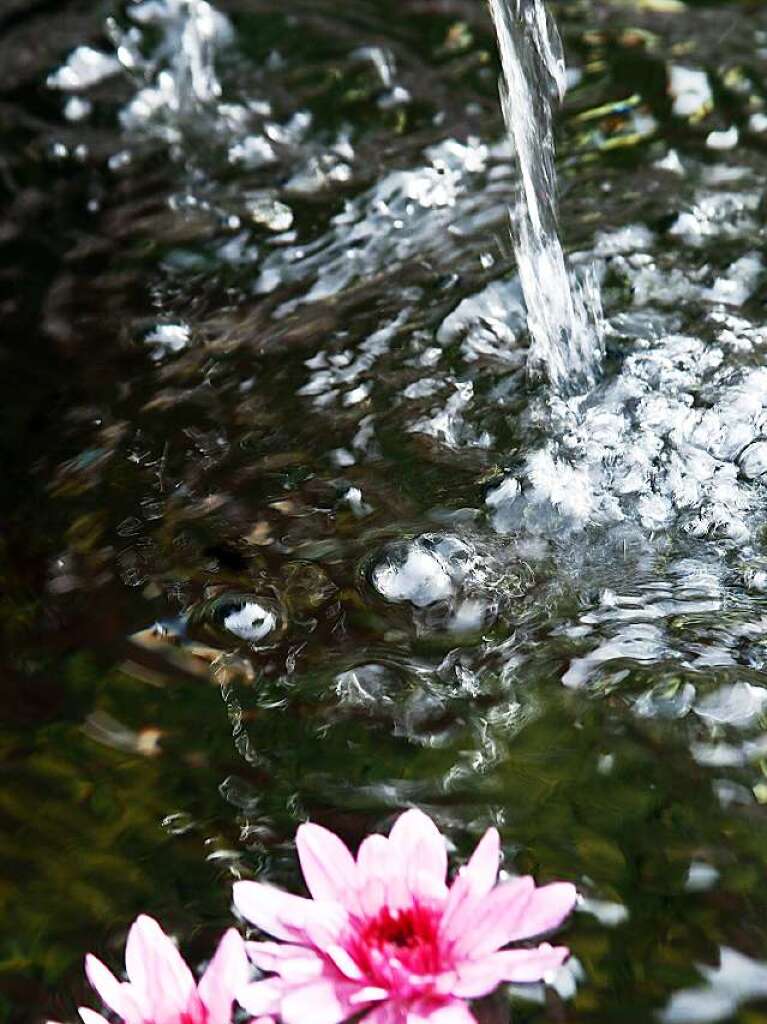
(459, 907)
(374, 866)
(425, 886)
(160, 980)
(523, 965)
(344, 962)
(295, 964)
(262, 996)
(88, 1016)
(419, 846)
(269, 909)
(117, 996)
(475, 880)
(382, 873)
(482, 868)
(226, 974)
(547, 909)
(282, 915)
(368, 994)
(453, 1012)
(484, 925)
(327, 924)
(328, 867)
(477, 978)
(373, 858)
(322, 1002)
(388, 1013)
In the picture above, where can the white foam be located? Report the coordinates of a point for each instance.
(690, 90)
(84, 68)
(650, 447)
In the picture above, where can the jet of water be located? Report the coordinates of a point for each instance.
(564, 318)
(201, 29)
(179, 66)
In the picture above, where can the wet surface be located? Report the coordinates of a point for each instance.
(288, 529)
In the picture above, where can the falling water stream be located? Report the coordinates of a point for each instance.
(563, 317)
(324, 503)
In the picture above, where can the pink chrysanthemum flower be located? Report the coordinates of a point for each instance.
(385, 934)
(161, 988)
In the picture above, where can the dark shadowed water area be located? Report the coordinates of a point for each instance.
(289, 531)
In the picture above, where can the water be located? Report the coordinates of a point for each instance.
(290, 531)
(563, 318)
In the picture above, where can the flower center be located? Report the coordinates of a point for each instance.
(404, 929)
(399, 950)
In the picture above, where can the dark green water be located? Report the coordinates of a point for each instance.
(146, 768)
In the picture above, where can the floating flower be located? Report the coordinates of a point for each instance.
(385, 934)
(161, 988)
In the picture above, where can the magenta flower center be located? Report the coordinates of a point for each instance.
(406, 929)
(399, 950)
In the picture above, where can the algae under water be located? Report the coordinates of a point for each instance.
(288, 530)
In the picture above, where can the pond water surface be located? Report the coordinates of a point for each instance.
(291, 532)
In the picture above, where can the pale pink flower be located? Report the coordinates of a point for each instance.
(385, 934)
(160, 988)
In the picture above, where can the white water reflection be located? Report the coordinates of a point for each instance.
(737, 980)
(428, 570)
(252, 622)
(406, 212)
(736, 704)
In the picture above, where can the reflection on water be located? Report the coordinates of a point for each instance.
(292, 534)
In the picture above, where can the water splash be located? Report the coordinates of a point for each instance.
(180, 69)
(563, 317)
